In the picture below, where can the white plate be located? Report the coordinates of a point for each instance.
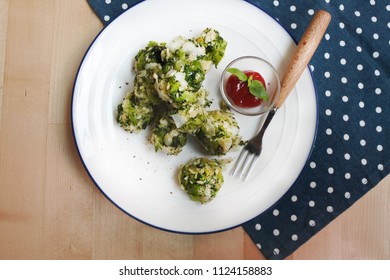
(125, 166)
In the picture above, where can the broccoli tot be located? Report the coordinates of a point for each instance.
(195, 75)
(167, 138)
(180, 86)
(150, 54)
(189, 118)
(201, 178)
(134, 115)
(214, 44)
(185, 63)
(219, 133)
(144, 88)
(174, 89)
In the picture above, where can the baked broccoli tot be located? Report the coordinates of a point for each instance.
(166, 137)
(219, 133)
(201, 178)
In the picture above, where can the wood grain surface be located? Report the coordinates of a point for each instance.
(49, 207)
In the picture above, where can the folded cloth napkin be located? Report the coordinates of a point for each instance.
(351, 155)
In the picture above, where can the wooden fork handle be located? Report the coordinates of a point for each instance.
(303, 53)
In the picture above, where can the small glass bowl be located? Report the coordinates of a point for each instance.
(266, 70)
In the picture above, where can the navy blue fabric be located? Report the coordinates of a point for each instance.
(108, 10)
(351, 70)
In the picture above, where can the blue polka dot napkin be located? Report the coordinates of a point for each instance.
(351, 70)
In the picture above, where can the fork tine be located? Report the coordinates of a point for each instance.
(238, 166)
(246, 165)
(251, 166)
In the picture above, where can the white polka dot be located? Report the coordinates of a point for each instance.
(378, 110)
(363, 142)
(310, 12)
(361, 104)
(372, 2)
(388, 8)
(312, 203)
(346, 137)
(341, 7)
(276, 251)
(328, 93)
(327, 74)
(357, 13)
(327, 37)
(359, 30)
(293, 218)
(258, 246)
(380, 167)
(342, 43)
(347, 195)
(346, 118)
(329, 209)
(258, 227)
(293, 8)
(276, 3)
(344, 80)
(125, 6)
(293, 25)
(362, 123)
(106, 18)
(312, 223)
(276, 232)
(379, 148)
(364, 181)
(329, 151)
(375, 55)
(347, 156)
(294, 237)
(330, 190)
(327, 55)
(313, 185)
(347, 176)
(312, 68)
(313, 164)
(375, 36)
(359, 67)
(359, 49)
(330, 170)
(294, 198)
(343, 61)
(108, 1)
(378, 91)
(276, 212)
(360, 85)
(345, 98)
(328, 112)
(374, 19)
(379, 128)
(342, 25)
(328, 131)
(377, 73)
(364, 161)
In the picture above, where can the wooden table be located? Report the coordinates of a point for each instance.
(49, 207)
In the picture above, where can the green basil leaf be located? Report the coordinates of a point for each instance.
(240, 75)
(250, 80)
(257, 89)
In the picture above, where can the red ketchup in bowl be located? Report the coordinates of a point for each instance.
(238, 91)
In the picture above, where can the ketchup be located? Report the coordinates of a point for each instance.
(238, 91)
